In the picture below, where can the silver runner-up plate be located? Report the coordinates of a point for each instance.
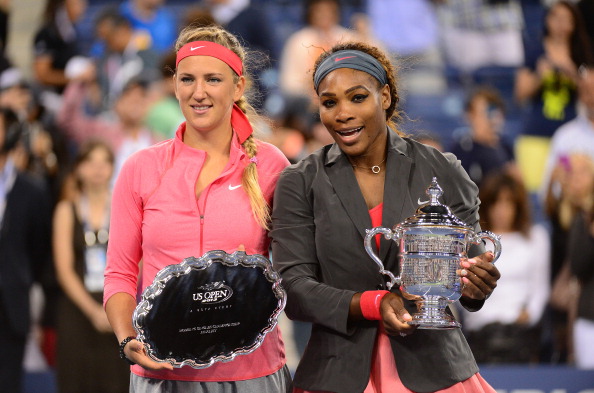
(209, 309)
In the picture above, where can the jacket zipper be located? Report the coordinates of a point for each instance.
(205, 193)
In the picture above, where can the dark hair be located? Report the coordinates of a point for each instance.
(139, 81)
(579, 42)
(51, 7)
(392, 114)
(85, 150)
(88, 147)
(491, 188)
(488, 93)
(112, 15)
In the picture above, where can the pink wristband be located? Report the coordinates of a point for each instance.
(370, 304)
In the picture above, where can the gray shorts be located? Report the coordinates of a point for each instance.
(279, 382)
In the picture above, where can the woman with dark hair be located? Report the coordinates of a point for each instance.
(507, 328)
(548, 84)
(371, 176)
(80, 236)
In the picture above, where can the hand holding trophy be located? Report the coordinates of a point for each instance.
(432, 243)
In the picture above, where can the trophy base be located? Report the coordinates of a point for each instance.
(432, 314)
(433, 323)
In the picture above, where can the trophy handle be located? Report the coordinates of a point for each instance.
(388, 234)
(495, 239)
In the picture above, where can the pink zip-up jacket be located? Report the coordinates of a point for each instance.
(156, 218)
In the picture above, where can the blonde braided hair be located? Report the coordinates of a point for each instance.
(249, 181)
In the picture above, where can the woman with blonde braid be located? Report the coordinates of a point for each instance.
(209, 188)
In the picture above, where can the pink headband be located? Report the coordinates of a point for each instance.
(239, 120)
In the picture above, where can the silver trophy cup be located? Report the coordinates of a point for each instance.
(432, 243)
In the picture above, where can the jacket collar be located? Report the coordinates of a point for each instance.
(398, 167)
(236, 153)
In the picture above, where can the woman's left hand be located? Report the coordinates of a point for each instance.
(479, 276)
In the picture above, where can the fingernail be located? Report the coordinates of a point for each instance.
(407, 316)
(466, 280)
(463, 272)
(465, 264)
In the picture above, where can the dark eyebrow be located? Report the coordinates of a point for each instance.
(347, 90)
(356, 87)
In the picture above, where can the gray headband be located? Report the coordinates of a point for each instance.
(354, 59)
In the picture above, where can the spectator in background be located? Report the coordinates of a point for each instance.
(507, 329)
(124, 131)
(247, 21)
(478, 33)
(567, 195)
(483, 149)
(322, 30)
(547, 83)
(25, 212)
(581, 257)
(42, 154)
(251, 25)
(87, 359)
(44, 146)
(55, 42)
(128, 56)
(164, 116)
(153, 20)
(291, 131)
(409, 29)
(576, 135)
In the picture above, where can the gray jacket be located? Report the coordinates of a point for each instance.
(319, 221)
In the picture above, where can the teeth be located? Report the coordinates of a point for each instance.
(200, 107)
(348, 132)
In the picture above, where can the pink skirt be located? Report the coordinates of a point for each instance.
(384, 375)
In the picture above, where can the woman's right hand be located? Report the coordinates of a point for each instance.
(135, 351)
(395, 317)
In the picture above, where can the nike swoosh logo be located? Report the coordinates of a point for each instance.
(421, 202)
(231, 188)
(342, 58)
(196, 47)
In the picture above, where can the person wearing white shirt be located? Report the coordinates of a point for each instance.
(513, 312)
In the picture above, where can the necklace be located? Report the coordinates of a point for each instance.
(375, 169)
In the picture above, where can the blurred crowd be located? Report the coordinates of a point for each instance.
(506, 85)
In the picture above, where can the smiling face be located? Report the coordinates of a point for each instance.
(353, 109)
(206, 89)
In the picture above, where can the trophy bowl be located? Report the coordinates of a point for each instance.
(431, 243)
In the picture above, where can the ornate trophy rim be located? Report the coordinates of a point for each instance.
(238, 258)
